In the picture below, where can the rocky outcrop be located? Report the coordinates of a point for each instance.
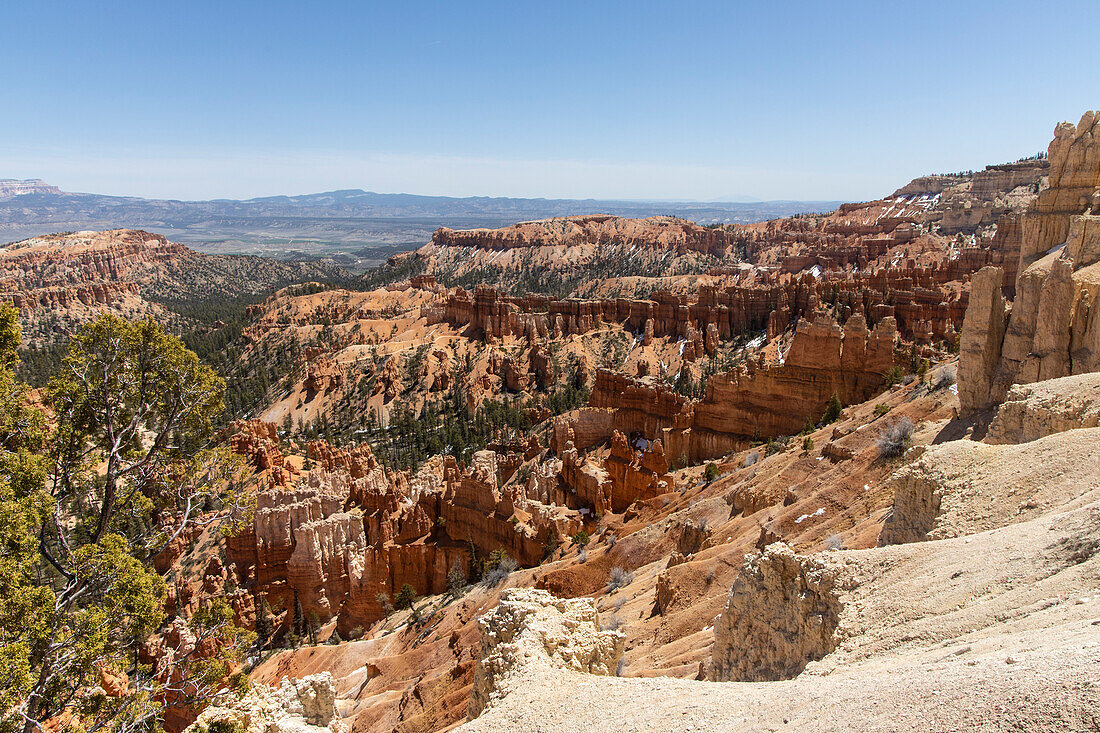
(983, 327)
(963, 487)
(322, 376)
(1033, 411)
(778, 399)
(756, 402)
(782, 613)
(10, 187)
(351, 533)
(306, 705)
(531, 632)
(636, 472)
(477, 508)
(258, 441)
(665, 232)
(632, 472)
(1053, 327)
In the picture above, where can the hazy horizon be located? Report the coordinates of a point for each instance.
(698, 101)
(301, 194)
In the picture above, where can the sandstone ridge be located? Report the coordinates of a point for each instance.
(1052, 328)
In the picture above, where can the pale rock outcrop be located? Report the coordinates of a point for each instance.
(782, 613)
(532, 632)
(1053, 327)
(1032, 411)
(306, 705)
(962, 487)
(983, 326)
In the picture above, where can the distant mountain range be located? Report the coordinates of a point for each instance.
(354, 227)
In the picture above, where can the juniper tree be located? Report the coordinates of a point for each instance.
(83, 512)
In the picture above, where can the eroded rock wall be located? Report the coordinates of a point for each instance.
(349, 534)
(756, 402)
(531, 632)
(1053, 326)
(782, 613)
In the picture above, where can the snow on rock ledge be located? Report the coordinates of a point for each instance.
(531, 631)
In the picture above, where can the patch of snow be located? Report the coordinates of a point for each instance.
(804, 517)
(954, 388)
(1054, 249)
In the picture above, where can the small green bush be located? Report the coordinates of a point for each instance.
(832, 410)
(406, 597)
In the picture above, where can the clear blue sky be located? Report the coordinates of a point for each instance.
(701, 100)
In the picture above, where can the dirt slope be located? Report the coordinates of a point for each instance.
(996, 626)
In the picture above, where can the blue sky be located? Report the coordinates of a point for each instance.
(692, 100)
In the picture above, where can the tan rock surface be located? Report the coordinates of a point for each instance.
(530, 633)
(1053, 329)
(1032, 411)
(782, 613)
(962, 487)
(306, 705)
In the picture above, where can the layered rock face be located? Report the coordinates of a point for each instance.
(80, 273)
(1052, 329)
(775, 400)
(926, 301)
(352, 532)
(665, 232)
(1033, 411)
(62, 260)
(76, 275)
(530, 633)
(781, 614)
(918, 217)
(909, 256)
(759, 401)
(993, 180)
(969, 202)
(10, 187)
